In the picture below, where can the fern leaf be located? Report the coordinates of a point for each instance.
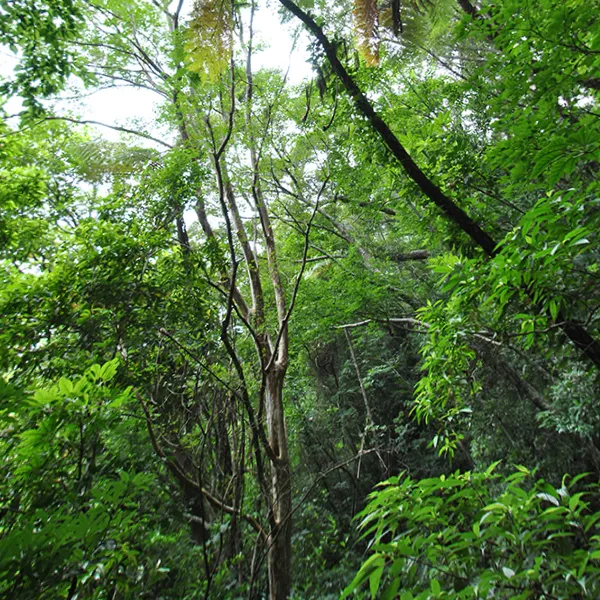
(366, 16)
(417, 22)
(210, 38)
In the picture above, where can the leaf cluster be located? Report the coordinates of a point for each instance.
(480, 534)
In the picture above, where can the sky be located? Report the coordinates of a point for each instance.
(125, 106)
(276, 40)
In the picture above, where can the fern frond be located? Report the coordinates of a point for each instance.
(210, 38)
(97, 160)
(366, 15)
(417, 22)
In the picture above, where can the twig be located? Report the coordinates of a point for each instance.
(176, 468)
(90, 122)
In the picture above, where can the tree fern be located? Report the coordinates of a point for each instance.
(416, 22)
(209, 41)
(99, 159)
(366, 16)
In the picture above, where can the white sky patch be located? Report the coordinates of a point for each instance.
(281, 47)
(278, 46)
(8, 62)
(131, 107)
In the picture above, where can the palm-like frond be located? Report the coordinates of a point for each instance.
(210, 42)
(366, 14)
(416, 22)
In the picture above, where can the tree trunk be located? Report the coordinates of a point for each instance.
(469, 8)
(280, 534)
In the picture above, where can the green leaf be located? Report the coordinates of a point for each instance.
(109, 369)
(492, 467)
(65, 386)
(575, 501)
(495, 506)
(374, 581)
(391, 591)
(553, 307)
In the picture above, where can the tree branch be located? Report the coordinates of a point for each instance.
(575, 332)
(178, 472)
(115, 127)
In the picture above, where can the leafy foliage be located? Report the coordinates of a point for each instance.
(277, 209)
(45, 59)
(68, 524)
(210, 38)
(472, 535)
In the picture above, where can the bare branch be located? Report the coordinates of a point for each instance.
(196, 359)
(398, 321)
(179, 473)
(90, 122)
(284, 323)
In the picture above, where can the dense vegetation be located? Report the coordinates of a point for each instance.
(331, 339)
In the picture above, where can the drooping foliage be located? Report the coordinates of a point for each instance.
(210, 38)
(366, 17)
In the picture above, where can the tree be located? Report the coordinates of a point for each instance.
(279, 299)
(574, 331)
(218, 266)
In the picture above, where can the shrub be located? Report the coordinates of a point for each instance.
(480, 535)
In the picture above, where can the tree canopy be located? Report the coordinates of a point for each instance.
(300, 338)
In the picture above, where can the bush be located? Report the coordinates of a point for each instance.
(480, 535)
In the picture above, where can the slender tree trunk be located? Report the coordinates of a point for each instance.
(280, 535)
(182, 236)
(279, 557)
(469, 8)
